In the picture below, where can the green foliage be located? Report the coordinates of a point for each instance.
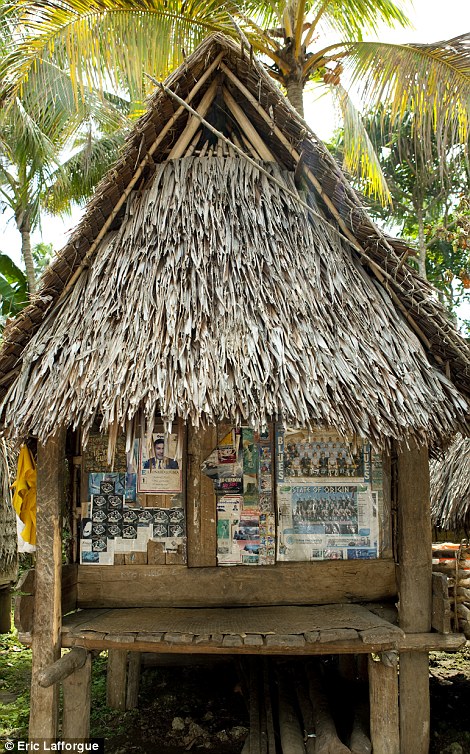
(15, 678)
(42, 256)
(13, 288)
(115, 42)
(430, 208)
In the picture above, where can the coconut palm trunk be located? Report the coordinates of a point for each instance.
(24, 226)
(295, 93)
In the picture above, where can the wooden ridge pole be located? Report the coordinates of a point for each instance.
(47, 625)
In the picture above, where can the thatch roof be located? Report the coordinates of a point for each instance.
(450, 486)
(8, 536)
(197, 285)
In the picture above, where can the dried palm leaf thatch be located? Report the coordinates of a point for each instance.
(217, 297)
(450, 486)
(8, 539)
(199, 287)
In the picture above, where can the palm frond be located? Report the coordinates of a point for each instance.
(360, 157)
(76, 179)
(432, 81)
(122, 38)
(22, 141)
(351, 18)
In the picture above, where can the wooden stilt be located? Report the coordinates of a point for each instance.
(46, 628)
(77, 697)
(116, 679)
(305, 706)
(254, 736)
(292, 740)
(415, 592)
(359, 742)
(327, 739)
(268, 708)
(383, 697)
(133, 680)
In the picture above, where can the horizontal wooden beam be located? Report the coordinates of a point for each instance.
(62, 667)
(317, 583)
(140, 643)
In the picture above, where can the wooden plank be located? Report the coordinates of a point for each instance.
(46, 631)
(133, 680)
(77, 699)
(26, 587)
(69, 587)
(200, 500)
(144, 642)
(5, 610)
(440, 619)
(26, 582)
(283, 584)
(135, 558)
(155, 553)
(24, 613)
(383, 699)
(116, 679)
(415, 592)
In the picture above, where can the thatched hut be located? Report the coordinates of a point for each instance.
(228, 328)
(8, 548)
(450, 487)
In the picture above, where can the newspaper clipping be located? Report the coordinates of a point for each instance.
(327, 509)
(241, 469)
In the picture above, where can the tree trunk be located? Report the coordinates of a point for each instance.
(421, 242)
(295, 94)
(25, 230)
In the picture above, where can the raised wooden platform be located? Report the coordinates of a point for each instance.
(323, 629)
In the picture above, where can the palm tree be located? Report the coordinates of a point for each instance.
(35, 129)
(103, 41)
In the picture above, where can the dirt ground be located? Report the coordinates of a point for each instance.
(201, 707)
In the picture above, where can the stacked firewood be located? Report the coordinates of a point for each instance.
(453, 560)
(302, 707)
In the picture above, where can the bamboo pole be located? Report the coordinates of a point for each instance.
(193, 123)
(247, 127)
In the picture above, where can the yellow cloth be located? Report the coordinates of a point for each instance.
(24, 496)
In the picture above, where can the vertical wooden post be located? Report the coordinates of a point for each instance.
(47, 624)
(383, 698)
(415, 593)
(200, 500)
(77, 698)
(116, 679)
(133, 680)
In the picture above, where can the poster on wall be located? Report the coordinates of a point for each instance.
(241, 468)
(159, 464)
(327, 508)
